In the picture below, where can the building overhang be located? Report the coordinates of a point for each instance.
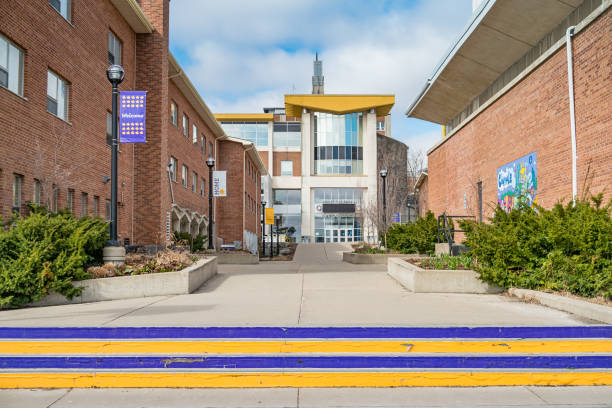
(338, 104)
(244, 117)
(500, 32)
(182, 82)
(250, 149)
(422, 177)
(133, 14)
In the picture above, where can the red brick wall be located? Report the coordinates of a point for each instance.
(423, 200)
(534, 117)
(229, 219)
(264, 158)
(253, 190)
(36, 144)
(295, 157)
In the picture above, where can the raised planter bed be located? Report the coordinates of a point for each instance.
(135, 286)
(357, 258)
(421, 280)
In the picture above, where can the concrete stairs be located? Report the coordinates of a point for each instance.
(241, 357)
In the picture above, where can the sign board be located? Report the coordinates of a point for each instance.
(219, 183)
(517, 179)
(338, 208)
(396, 217)
(132, 110)
(269, 216)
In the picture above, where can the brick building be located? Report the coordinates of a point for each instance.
(502, 93)
(56, 146)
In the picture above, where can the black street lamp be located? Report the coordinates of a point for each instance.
(383, 174)
(210, 162)
(115, 75)
(263, 227)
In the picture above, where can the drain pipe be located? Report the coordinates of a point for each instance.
(570, 80)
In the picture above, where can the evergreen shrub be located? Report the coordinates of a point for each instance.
(45, 252)
(418, 237)
(567, 248)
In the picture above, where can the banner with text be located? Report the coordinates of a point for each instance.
(219, 183)
(132, 110)
(269, 216)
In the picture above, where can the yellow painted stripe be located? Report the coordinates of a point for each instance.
(309, 379)
(259, 347)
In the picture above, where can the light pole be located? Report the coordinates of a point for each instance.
(383, 174)
(263, 227)
(210, 162)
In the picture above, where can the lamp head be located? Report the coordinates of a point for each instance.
(115, 74)
(263, 203)
(210, 162)
(383, 173)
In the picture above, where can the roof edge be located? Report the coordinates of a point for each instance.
(250, 149)
(133, 14)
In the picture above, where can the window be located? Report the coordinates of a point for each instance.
(286, 168)
(17, 182)
(62, 7)
(255, 132)
(287, 134)
(203, 142)
(70, 199)
(210, 148)
(36, 193)
(194, 182)
(173, 113)
(185, 126)
(338, 143)
(114, 49)
(107, 210)
(380, 125)
(202, 187)
(96, 206)
(172, 168)
(83, 204)
(184, 176)
(109, 128)
(57, 96)
(194, 134)
(55, 199)
(11, 66)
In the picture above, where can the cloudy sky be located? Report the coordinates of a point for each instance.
(243, 55)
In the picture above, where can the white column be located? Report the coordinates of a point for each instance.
(306, 172)
(370, 161)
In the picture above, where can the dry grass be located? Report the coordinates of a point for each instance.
(164, 261)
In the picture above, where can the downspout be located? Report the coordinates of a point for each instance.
(570, 81)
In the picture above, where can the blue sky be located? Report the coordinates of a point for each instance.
(245, 55)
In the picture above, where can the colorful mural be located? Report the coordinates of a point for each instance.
(516, 179)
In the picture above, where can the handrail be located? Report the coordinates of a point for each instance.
(448, 233)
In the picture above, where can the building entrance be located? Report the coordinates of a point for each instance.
(339, 235)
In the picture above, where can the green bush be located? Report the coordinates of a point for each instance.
(195, 243)
(567, 248)
(418, 237)
(47, 251)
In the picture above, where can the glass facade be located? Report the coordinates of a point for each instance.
(337, 227)
(287, 134)
(288, 205)
(338, 143)
(255, 132)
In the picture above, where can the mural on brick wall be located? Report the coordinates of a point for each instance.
(516, 179)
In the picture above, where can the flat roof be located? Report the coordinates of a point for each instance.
(499, 33)
(247, 117)
(338, 104)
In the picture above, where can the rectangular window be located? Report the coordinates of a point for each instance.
(114, 49)
(96, 206)
(203, 147)
(480, 201)
(210, 149)
(185, 126)
(36, 196)
(255, 132)
(11, 66)
(173, 113)
(83, 204)
(57, 96)
(109, 128)
(62, 7)
(380, 125)
(194, 182)
(202, 187)
(70, 199)
(194, 134)
(173, 168)
(17, 183)
(107, 210)
(287, 134)
(184, 176)
(55, 198)
(286, 168)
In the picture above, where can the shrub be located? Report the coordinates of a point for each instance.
(47, 251)
(418, 237)
(195, 243)
(567, 248)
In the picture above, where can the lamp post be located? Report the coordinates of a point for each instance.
(263, 227)
(383, 174)
(113, 251)
(210, 162)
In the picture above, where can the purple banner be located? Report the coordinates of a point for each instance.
(132, 114)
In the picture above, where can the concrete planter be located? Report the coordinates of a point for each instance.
(237, 258)
(421, 280)
(126, 287)
(355, 258)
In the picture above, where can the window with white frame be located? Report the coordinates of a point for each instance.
(62, 7)
(202, 187)
(55, 198)
(173, 113)
(107, 210)
(184, 176)
(114, 49)
(17, 183)
(203, 146)
(11, 66)
(70, 200)
(57, 96)
(194, 135)
(83, 204)
(286, 168)
(380, 125)
(173, 168)
(96, 206)
(194, 182)
(185, 126)
(36, 195)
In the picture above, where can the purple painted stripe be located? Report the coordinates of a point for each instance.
(291, 362)
(303, 332)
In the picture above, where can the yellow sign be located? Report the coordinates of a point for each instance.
(269, 216)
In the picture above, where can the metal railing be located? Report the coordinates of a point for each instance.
(448, 233)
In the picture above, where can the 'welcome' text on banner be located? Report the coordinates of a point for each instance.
(219, 183)
(132, 115)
